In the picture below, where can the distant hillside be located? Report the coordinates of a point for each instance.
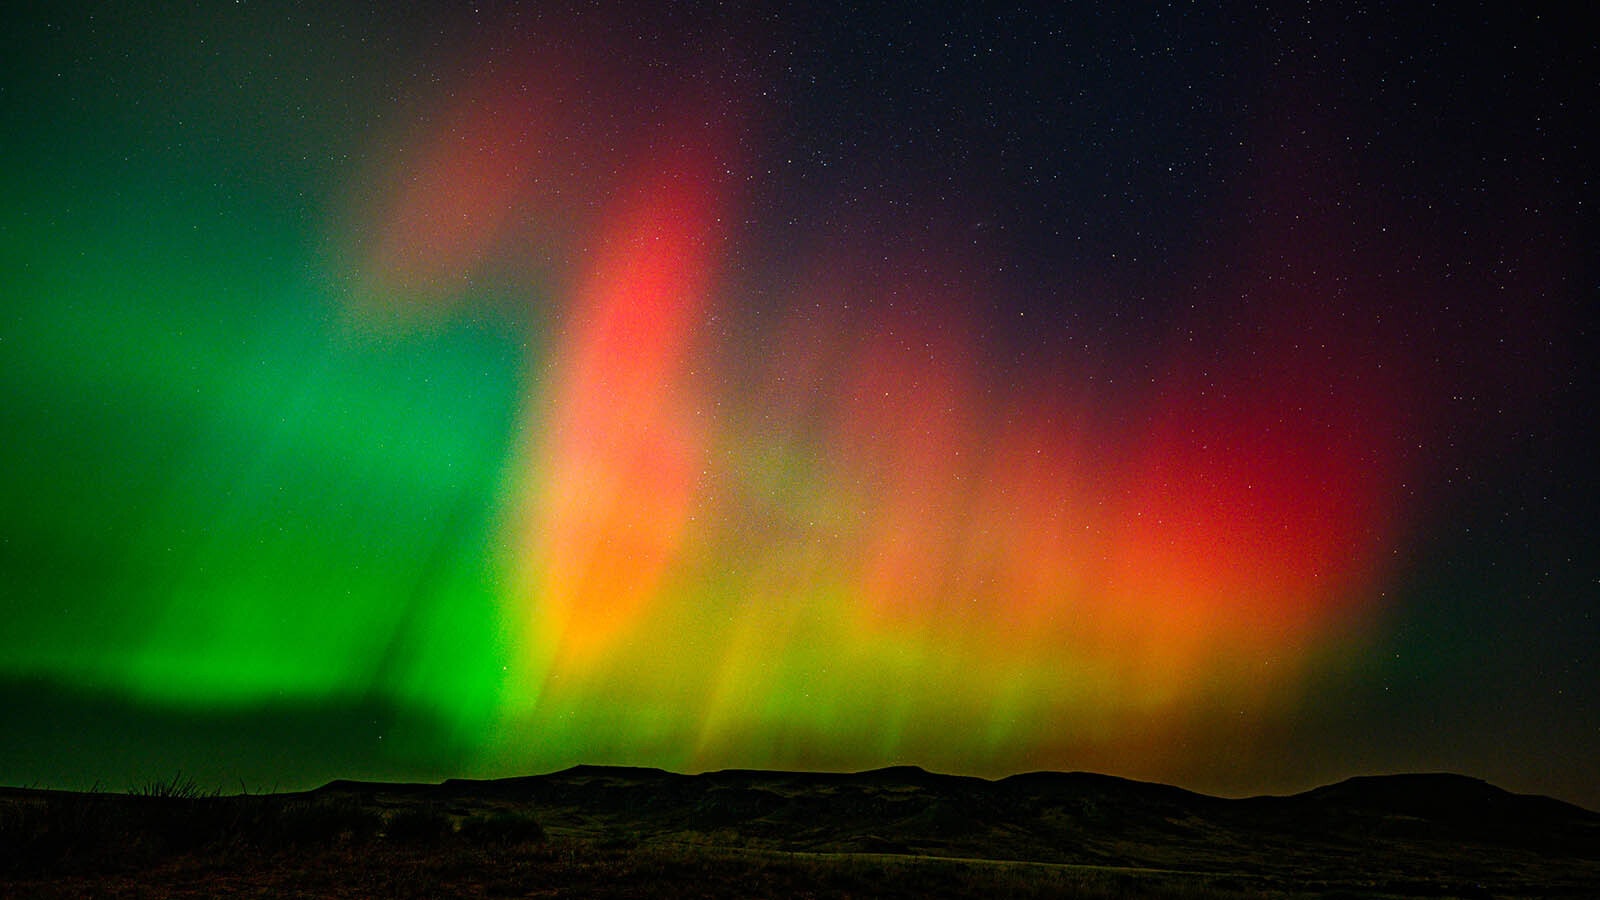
(1392, 827)
(900, 832)
(1444, 797)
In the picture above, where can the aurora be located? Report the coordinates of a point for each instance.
(698, 394)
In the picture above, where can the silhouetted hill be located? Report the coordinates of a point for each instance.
(1448, 799)
(1444, 797)
(1389, 836)
(1398, 824)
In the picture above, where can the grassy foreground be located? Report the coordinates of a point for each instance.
(168, 841)
(570, 868)
(894, 833)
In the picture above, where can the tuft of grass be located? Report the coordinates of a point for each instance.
(178, 787)
(619, 839)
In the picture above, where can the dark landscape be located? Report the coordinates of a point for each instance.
(896, 832)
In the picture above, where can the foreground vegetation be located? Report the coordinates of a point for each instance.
(455, 867)
(564, 868)
(598, 832)
(170, 841)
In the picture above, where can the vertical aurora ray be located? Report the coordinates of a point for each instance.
(624, 443)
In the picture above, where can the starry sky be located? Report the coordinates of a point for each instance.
(1194, 394)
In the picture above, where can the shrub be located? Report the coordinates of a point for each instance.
(418, 825)
(179, 787)
(310, 823)
(502, 829)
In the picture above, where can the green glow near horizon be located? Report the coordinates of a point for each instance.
(226, 495)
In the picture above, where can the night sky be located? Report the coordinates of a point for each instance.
(1187, 394)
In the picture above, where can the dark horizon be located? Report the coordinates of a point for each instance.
(181, 783)
(120, 764)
